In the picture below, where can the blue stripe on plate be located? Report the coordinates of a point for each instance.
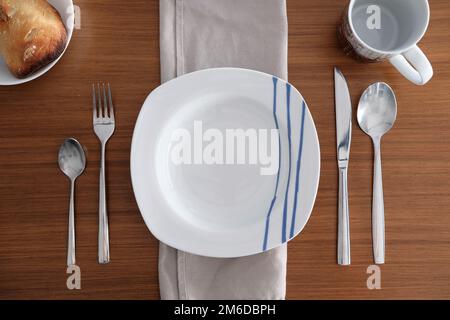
(286, 196)
(297, 176)
(266, 232)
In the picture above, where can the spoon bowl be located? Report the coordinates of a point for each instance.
(71, 158)
(377, 110)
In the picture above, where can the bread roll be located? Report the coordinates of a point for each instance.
(32, 35)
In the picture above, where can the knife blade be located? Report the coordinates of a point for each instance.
(343, 111)
(343, 107)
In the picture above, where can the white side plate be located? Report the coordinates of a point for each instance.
(225, 210)
(66, 10)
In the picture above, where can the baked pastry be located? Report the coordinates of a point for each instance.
(32, 35)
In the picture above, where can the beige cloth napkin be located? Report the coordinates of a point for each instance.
(199, 34)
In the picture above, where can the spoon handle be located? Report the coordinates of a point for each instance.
(377, 206)
(343, 219)
(71, 231)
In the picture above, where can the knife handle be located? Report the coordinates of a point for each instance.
(343, 254)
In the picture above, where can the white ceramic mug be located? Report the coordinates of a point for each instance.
(377, 30)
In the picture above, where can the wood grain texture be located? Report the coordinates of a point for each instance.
(118, 43)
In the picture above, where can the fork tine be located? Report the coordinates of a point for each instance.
(111, 106)
(105, 103)
(94, 103)
(99, 97)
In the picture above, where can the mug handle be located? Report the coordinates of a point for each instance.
(413, 65)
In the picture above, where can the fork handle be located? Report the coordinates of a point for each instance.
(103, 229)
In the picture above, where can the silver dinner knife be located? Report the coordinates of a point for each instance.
(343, 107)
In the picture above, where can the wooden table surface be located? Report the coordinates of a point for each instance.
(118, 42)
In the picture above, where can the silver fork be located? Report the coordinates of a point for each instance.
(104, 125)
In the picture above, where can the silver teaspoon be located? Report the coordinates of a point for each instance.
(377, 111)
(72, 161)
